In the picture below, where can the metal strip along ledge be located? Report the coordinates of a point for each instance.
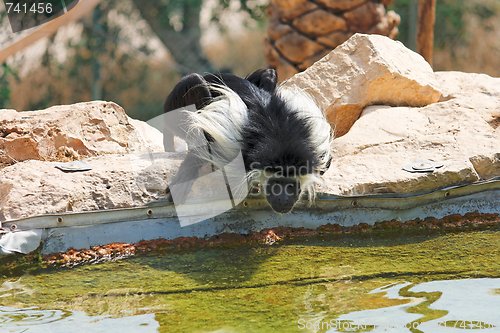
(158, 219)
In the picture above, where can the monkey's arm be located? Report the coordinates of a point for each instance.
(194, 90)
(191, 90)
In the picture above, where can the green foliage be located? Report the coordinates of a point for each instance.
(450, 23)
(449, 26)
(6, 72)
(255, 9)
(98, 67)
(484, 11)
(105, 63)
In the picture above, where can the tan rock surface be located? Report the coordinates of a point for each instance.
(367, 70)
(33, 187)
(457, 132)
(72, 132)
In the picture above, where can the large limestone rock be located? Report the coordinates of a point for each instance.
(367, 70)
(462, 133)
(116, 147)
(34, 187)
(72, 132)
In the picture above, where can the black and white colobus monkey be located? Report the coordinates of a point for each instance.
(284, 137)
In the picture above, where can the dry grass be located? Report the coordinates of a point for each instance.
(481, 51)
(139, 87)
(242, 53)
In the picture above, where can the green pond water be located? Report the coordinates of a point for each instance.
(441, 282)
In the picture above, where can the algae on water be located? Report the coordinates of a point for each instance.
(260, 288)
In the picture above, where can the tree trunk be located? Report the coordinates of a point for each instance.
(97, 46)
(303, 31)
(183, 45)
(425, 34)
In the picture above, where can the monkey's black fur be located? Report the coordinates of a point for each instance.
(278, 136)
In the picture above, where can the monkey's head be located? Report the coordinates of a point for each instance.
(286, 147)
(283, 136)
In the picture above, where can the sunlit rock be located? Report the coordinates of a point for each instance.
(367, 70)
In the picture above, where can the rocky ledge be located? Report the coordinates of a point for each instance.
(389, 109)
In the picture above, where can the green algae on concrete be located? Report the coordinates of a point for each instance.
(261, 288)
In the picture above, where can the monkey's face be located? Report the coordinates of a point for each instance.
(282, 193)
(283, 188)
(287, 142)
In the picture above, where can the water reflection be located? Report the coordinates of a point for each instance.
(32, 320)
(466, 305)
